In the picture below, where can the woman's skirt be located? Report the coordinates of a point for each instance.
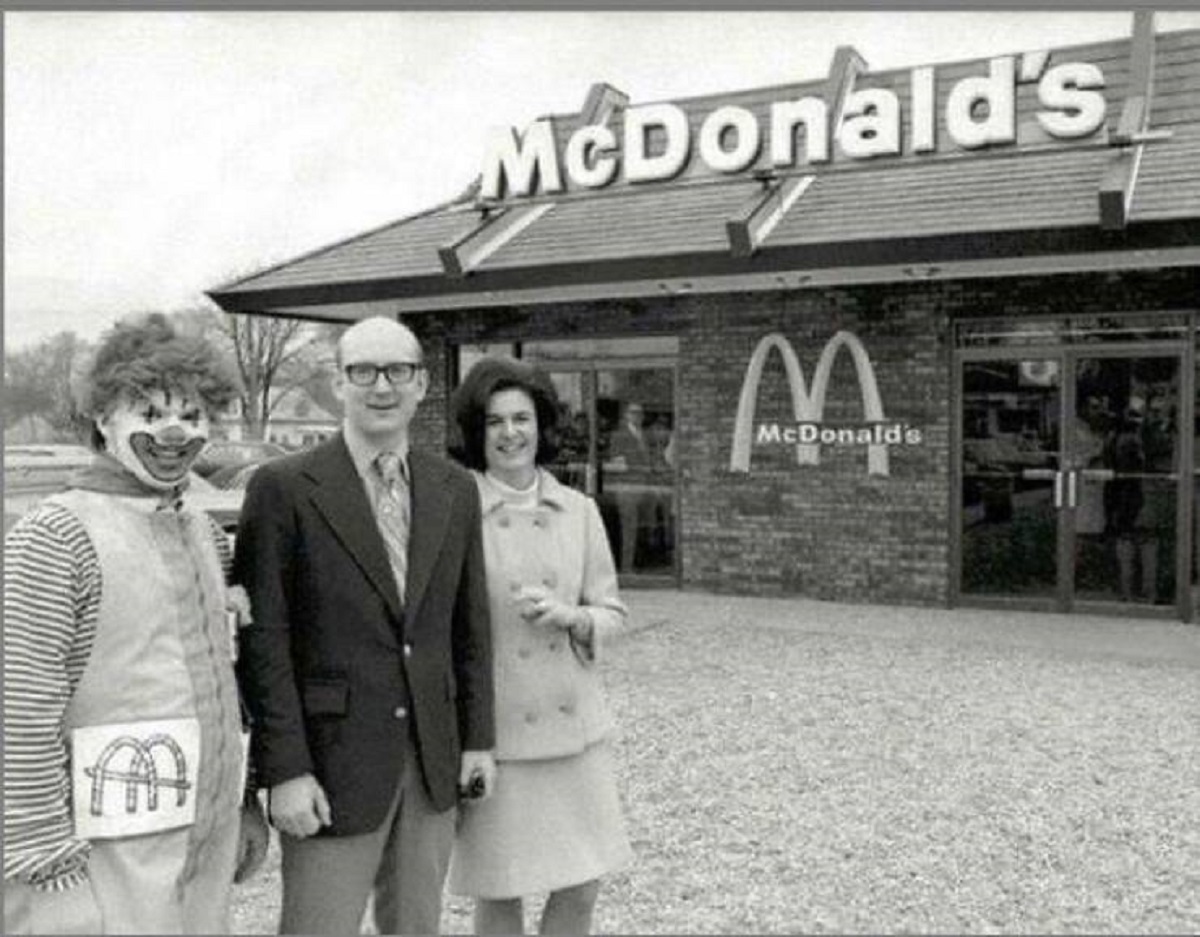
(549, 824)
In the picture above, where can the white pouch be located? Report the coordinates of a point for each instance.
(134, 778)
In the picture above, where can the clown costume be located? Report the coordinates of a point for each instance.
(124, 758)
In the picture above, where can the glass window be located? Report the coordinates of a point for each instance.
(1072, 330)
(587, 349)
(470, 353)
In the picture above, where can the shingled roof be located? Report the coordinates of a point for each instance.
(1127, 196)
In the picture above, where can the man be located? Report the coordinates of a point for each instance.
(367, 667)
(124, 764)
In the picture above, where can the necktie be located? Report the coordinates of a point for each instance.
(391, 514)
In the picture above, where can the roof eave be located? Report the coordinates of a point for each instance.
(899, 254)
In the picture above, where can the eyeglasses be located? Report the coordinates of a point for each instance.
(365, 375)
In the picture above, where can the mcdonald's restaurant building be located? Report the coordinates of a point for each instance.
(925, 336)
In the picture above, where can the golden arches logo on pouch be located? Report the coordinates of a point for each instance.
(130, 779)
(809, 433)
(140, 772)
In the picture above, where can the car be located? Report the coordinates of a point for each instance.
(33, 472)
(221, 453)
(235, 476)
(223, 506)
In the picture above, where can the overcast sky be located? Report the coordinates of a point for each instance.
(152, 155)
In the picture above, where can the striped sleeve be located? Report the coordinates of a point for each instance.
(51, 605)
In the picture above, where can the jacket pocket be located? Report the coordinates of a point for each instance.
(325, 696)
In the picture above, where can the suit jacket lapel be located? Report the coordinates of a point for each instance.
(340, 498)
(431, 501)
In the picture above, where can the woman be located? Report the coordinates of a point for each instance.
(554, 823)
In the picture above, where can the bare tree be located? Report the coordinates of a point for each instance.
(38, 383)
(272, 355)
(266, 349)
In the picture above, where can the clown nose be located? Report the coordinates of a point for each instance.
(172, 436)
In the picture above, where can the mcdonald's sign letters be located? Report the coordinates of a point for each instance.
(809, 432)
(134, 778)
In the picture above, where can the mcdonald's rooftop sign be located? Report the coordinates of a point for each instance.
(808, 433)
(656, 142)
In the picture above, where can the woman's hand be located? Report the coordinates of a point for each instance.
(540, 607)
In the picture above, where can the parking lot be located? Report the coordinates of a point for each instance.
(791, 766)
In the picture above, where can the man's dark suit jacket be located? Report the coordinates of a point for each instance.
(325, 664)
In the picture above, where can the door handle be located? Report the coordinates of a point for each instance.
(1072, 500)
(1058, 489)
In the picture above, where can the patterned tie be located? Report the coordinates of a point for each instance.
(391, 513)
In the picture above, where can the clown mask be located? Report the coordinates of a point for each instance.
(157, 436)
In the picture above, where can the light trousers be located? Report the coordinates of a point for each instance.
(327, 879)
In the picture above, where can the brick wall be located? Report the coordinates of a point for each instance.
(830, 530)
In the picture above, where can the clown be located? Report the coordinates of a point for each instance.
(124, 761)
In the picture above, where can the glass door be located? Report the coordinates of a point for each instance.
(1125, 486)
(1010, 478)
(1071, 478)
(574, 462)
(635, 423)
(618, 442)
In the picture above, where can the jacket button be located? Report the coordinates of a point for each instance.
(539, 521)
(400, 712)
(524, 653)
(550, 580)
(567, 708)
(531, 718)
(503, 522)
(408, 650)
(554, 645)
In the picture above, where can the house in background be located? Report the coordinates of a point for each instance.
(301, 416)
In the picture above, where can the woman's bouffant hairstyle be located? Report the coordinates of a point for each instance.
(470, 401)
(138, 356)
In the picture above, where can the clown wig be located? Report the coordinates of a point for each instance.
(139, 356)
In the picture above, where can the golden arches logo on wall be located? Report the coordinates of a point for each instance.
(808, 407)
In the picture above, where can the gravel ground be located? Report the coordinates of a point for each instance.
(805, 767)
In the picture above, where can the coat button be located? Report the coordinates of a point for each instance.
(567, 708)
(554, 645)
(531, 718)
(504, 522)
(550, 580)
(539, 521)
(400, 712)
(524, 653)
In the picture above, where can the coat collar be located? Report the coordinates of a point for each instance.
(551, 492)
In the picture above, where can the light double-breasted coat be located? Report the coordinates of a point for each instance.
(549, 699)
